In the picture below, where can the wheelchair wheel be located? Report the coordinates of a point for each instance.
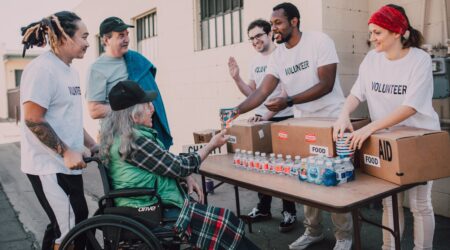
(110, 232)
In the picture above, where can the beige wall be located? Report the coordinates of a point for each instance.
(10, 66)
(8, 79)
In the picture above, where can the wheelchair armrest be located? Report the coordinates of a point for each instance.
(130, 192)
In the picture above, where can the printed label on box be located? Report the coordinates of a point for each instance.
(318, 150)
(261, 134)
(371, 160)
(282, 135)
(232, 139)
(310, 138)
(196, 147)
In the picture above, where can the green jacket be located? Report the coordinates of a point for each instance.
(125, 175)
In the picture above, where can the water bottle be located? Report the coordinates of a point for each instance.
(328, 175)
(264, 163)
(244, 162)
(272, 161)
(296, 167)
(339, 168)
(237, 158)
(312, 170)
(349, 169)
(303, 172)
(250, 160)
(279, 164)
(287, 166)
(257, 162)
(320, 168)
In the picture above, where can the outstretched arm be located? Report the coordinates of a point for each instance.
(268, 84)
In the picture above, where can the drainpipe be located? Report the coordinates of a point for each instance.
(424, 8)
(444, 14)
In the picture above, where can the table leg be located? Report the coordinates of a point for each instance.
(356, 230)
(238, 206)
(396, 222)
(238, 210)
(205, 193)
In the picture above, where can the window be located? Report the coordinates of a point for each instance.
(18, 76)
(221, 23)
(146, 27)
(146, 34)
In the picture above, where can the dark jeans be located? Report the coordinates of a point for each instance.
(266, 200)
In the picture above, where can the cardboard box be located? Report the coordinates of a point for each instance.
(204, 136)
(307, 136)
(405, 155)
(254, 136)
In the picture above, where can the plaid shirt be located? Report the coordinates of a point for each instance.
(206, 227)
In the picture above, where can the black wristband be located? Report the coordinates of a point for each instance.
(289, 101)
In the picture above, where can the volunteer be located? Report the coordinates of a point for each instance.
(395, 78)
(305, 63)
(260, 37)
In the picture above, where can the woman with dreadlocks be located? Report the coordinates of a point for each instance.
(52, 137)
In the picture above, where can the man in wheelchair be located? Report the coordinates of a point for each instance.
(135, 158)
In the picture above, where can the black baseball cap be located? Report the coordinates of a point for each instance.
(113, 24)
(128, 93)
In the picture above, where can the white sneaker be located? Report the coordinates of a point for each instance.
(304, 241)
(345, 244)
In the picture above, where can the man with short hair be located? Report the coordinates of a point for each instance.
(119, 63)
(306, 64)
(261, 38)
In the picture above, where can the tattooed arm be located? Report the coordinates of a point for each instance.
(35, 121)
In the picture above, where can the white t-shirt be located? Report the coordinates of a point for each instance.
(387, 84)
(50, 83)
(297, 67)
(257, 72)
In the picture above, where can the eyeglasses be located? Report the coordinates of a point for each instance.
(257, 36)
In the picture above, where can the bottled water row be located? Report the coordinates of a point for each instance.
(314, 169)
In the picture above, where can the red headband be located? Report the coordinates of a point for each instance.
(391, 19)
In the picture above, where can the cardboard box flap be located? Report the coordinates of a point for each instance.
(317, 122)
(401, 132)
(246, 123)
(321, 122)
(207, 131)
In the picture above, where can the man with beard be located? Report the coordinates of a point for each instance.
(305, 63)
(119, 63)
(261, 38)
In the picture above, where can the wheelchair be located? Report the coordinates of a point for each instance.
(124, 228)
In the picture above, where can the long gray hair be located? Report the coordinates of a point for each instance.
(119, 123)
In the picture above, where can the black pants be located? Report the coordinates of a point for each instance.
(266, 200)
(73, 187)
